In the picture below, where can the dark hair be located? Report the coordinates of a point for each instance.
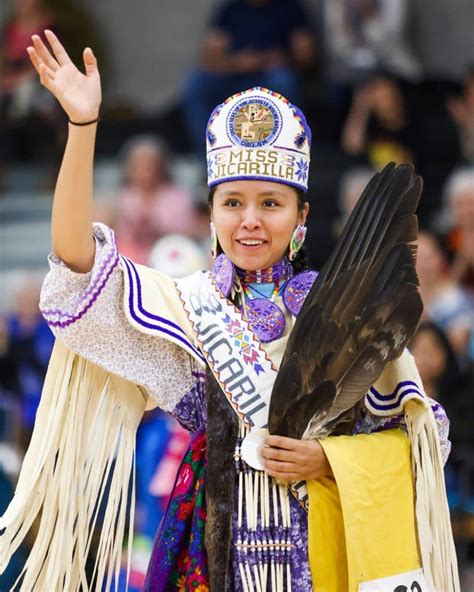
(449, 379)
(300, 262)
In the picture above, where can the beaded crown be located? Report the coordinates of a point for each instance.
(258, 135)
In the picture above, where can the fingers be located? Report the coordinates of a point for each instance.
(277, 467)
(45, 73)
(44, 54)
(34, 58)
(59, 51)
(90, 62)
(270, 453)
(281, 442)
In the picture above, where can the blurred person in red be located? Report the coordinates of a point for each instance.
(31, 126)
(18, 82)
(21, 96)
(379, 126)
(446, 303)
(150, 205)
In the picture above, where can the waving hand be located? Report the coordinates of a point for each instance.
(79, 94)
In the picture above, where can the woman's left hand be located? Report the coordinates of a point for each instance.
(287, 459)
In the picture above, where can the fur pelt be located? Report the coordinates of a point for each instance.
(221, 438)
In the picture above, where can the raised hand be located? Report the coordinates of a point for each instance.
(79, 94)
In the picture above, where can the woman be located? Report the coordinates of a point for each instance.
(228, 525)
(150, 205)
(436, 362)
(446, 302)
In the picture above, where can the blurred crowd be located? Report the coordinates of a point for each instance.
(353, 68)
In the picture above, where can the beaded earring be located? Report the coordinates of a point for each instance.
(213, 240)
(296, 241)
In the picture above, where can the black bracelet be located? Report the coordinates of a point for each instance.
(81, 124)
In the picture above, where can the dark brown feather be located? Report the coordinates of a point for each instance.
(359, 315)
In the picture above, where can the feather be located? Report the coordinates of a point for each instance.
(360, 313)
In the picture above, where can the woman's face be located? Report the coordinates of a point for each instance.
(144, 167)
(429, 260)
(254, 221)
(429, 355)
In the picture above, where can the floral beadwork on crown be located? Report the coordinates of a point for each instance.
(258, 135)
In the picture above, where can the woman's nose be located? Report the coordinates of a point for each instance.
(250, 219)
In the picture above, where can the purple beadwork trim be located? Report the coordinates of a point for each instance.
(394, 393)
(258, 178)
(80, 314)
(178, 334)
(90, 290)
(393, 405)
(102, 268)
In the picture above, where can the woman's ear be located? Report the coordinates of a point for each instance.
(303, 214)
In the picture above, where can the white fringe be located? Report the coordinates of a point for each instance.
(435, 538)
(86, 420)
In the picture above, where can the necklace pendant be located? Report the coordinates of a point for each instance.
(223, 272)
(297, 289)
(266, 319)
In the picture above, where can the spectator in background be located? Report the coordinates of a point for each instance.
(201, 229)
(8, 370)
(150, 205)
(31, 345)
(9, 390)
(21, 95)
(461, 109)
(351, 187)
(379, 126)
(459, 204)
(248, 43)
(31, 124)
(445, 302)
(18, 83)
(436, 361)
(364, 36)
(443, 381)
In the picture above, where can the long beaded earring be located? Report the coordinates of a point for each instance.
(213, 240)
(296, 241)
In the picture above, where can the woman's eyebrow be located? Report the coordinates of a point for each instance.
(273, 194)
(227, 193)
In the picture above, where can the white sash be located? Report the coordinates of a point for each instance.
(234, 354)
(232, 350)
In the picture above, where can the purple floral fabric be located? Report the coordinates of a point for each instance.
(178, 561)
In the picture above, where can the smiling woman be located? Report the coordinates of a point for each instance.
(281, 375)
(254, 221)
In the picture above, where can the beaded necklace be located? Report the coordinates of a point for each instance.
(264, 316)
(283, 270)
